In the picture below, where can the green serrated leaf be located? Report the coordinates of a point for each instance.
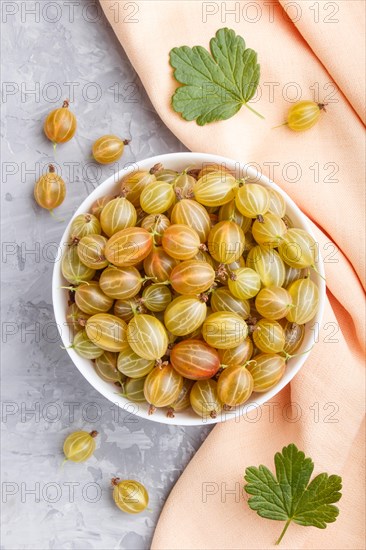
(216, 85)
(289, 496)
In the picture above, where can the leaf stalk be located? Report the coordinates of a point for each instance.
(283, 531)
(253, 110)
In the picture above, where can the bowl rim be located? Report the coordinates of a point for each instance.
(184, 418)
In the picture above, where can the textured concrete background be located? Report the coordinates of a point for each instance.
(50, 51)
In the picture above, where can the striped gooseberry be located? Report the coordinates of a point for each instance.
(109, 148)
(60, 124)
(230, 213)
(156, 224)
(181, 242)
(159, 265)
(106, 331)
(131, 364)
(133, 389)
(79, 446)
(147, 336)
(167, 175)
(192, 277)
(268, 264)
(252, 200)
(76, 318)
(157, 197)
(208, 167)
(98, 205)
(191, 213)
(129, 495)
(83, 225)
(269, 230)
(194, 359)
(236, 356)
(305, 299)
(204, 256)
(266, 369)
(184, 315)
(215, 188)
(223, 300)
(294, 335)
(298, 249)
(224, 330)
(135, 182)
(106, 367)
(304, 115)
(204, 399)
(244, 283)
(235, 385)
(50, 190)
(90, 298)
(162, 386)
(156, 297)
(91, 251)
(182, 402)
(269, 336)
(72, 268)
(273, 302)
(277, 204)
(226, 242)
(183, 186)
(121, 283)
(128, 246)
(127, 308)
(292, 274)
(85, 347)
(117, 214)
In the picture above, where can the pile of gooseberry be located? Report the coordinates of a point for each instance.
(189, 289)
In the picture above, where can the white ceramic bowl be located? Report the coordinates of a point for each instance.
(179, 161)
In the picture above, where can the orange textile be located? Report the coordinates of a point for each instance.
(306, 50)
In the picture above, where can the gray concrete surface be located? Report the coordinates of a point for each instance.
(61, 51)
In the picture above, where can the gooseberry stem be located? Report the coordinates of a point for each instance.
(55, 217)
(288, 356)
(193, 172)
(170, 413)
(156, 168)
(144, 279)
(124, 192)
(279, 126)
(253, 111)
(317, 272)
(283, 531)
